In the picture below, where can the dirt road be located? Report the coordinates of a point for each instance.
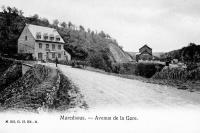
(105, 91)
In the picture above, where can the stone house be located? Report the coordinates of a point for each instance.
(43, 43)
(145, 53)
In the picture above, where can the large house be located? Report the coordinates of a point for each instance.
(43, 43)
(145, 53)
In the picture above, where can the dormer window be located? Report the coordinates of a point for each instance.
(58, 39)
(51, 37)
(45, 36)
(38, 35)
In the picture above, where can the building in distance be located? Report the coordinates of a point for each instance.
(145, 53)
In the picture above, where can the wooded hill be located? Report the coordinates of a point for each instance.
(188, 54)
(97, 48)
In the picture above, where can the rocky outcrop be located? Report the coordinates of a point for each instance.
(118, 54)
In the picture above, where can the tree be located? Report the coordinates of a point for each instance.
(88, 30)
(108, 36)
(70, 24)
(102, 34)
(45, 21)
(55, 23)
(82, 28)
(63, 24)
(35, 16)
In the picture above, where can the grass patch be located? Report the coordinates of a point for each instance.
(68, 95)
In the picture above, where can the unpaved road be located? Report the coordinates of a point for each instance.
(105, 91)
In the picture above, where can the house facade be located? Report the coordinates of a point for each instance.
(43, 43)
(145, 53)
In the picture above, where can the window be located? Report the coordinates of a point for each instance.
(47, 45)
(57, 39)
(59, 55)
(40, 56)
(38, 36)
(59, 46)
(45, 37)
(26, 38)
(51, 38)
(53, 46)
(53, 55)
(40, 45)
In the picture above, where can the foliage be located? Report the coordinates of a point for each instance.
(178, 74)
(13, 73)
(124, 68)
(4, 64)
(85, 45)
(147, 69)
(78, 63)
(189, 54)
(11, 25)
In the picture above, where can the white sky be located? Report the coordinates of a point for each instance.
(162, 24)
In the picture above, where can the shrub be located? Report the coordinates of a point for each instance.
(124, 68)
(4, 64)
(78, 63)
(97, 61)
(64, 62)
(178, 74)
(23, 56)
(171, 73)
(147, 69)
(191, 66)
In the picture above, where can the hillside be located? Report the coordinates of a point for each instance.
(118, 54)
(190, 53)
(82, 44)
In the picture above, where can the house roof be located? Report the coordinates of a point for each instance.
(35, 29)
(144, 52)
(145, 46)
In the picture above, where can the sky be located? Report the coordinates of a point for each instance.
(164, 25)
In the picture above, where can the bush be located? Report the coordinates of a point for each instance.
(100, 61)
(191, 66)
(23, 56)
(178, 74)
(147, 69)
(78, 63)
(63, 62)
(124, 68)
(4, 64)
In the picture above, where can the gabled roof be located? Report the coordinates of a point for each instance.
(145, 46)
(35, 29)
(145, 52)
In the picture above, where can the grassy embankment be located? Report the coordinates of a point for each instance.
(41, 88)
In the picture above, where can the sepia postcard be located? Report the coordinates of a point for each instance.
(99, 66)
